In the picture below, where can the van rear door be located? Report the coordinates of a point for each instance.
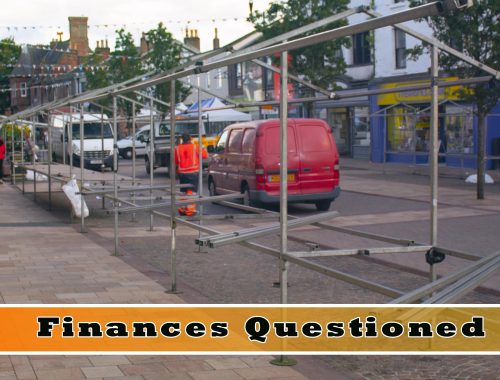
(268, 157)
(318, 157)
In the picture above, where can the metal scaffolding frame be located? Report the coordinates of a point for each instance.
(449, 287)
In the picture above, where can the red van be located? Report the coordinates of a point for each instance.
(247, 159)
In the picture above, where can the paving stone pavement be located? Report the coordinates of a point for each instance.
(44, 261)
(223, 367)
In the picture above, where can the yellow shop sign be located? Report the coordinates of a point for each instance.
(417, 96)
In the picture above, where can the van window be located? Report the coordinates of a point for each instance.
(314, 138)
(93, 130)
(221, 144)
(144, 134)
(248, 140)
(272, 138)
(235, 138)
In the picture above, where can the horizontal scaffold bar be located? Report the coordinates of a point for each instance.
(188, 200)
(268, 229)
(434, 286)
(110, 190)
(361, 251)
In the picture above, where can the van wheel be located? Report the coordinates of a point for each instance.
(211, 187)
(148, 170)
(127, 153)
(323, 205)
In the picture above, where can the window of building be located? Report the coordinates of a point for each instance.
(361, 49)
(219, 78)
(235, 79)
(24, 90)
(400, 46)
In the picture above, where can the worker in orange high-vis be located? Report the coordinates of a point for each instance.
(187, 163)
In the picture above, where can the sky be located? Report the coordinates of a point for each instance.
(38, 21)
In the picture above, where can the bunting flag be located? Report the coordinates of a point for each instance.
(129, 25)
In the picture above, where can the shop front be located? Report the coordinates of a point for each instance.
(350, 123)
(401, 121)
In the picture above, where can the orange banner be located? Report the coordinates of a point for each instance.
(254, 329)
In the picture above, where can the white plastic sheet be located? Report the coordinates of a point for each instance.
(71, 189)
(39, 177)
(473, 179)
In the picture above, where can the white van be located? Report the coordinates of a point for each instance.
(98, 139)
(141, 137)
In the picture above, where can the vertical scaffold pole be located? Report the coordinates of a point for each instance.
(12, 159)
(103, 200)
(434, 151)
(70, 142)
(133, 156)
(33, 160)
(151, 162)
(200, 159)
(284, 360)
(49, 158)
(22, 150)
(82, 167)
(171, 169)
(115, 165)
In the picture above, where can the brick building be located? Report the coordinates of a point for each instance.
(45, 73)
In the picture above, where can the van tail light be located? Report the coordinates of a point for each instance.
(336, 167)
(259, 175)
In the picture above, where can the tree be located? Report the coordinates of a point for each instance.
(124, 63)
(476, 32)
(165, 54)
(321, 63)
(9, 54)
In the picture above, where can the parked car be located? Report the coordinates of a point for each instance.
(141, 137)
(247, 157)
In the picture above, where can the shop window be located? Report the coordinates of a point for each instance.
(361, 48)
(459, 136)
(338, 119)
(361, 126)
(401, 124)
(400, 46)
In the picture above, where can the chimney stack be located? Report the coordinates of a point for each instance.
(78, 35)
(100, 49)
(192, 39)
(144, 48)
(216, 41)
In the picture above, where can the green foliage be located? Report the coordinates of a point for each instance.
(125, 63)
(16, 130)
(319, 63)
(475, 32)
(9, 54)
(165, 54)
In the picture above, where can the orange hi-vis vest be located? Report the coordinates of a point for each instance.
(186, 158)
